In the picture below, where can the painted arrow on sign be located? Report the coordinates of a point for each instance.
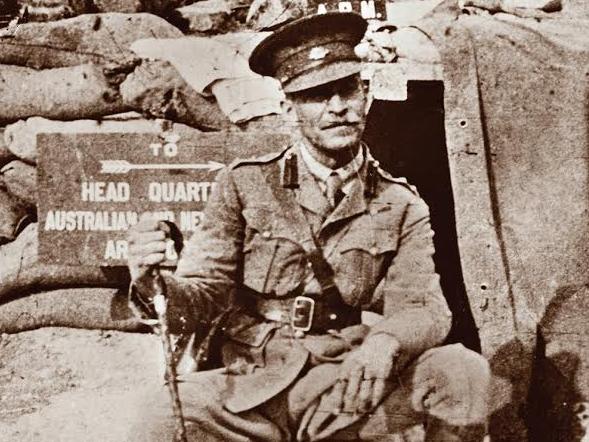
(123, 166)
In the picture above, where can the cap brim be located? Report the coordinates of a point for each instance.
(322, 75)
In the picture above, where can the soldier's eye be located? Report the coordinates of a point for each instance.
(346, 86)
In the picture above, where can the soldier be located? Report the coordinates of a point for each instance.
(293, 248)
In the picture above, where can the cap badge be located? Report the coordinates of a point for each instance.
(318, 53)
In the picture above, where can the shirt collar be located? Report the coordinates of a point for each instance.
(322, 172)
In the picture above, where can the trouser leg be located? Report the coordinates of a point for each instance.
(205, 417)
(451, 386)
(446, 388)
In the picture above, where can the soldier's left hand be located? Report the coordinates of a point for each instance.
(364, 374)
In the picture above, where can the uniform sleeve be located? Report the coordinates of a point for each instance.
(415, 310)
(210, 264)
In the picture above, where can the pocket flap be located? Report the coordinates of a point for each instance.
(253, 335)
(374, 242)
(265, 221)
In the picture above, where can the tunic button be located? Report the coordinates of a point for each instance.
(333, 316)
(373, 250)
(309, 264)
(266, 234)
(298, 334)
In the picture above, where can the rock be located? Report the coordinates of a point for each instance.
(156, 89)
(21, 137)
(86, 91)
(20, 179)
(90, 38)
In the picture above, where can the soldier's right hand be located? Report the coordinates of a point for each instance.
(147, 247)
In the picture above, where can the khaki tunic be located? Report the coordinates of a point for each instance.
(380, 248)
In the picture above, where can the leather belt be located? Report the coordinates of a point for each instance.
(306, 313)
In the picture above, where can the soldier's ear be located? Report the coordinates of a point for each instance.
(369, 97)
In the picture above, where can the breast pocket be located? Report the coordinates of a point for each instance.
(364, 257)
(273, 259)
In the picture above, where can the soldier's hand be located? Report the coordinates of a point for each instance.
(364, 374)
(147, 248)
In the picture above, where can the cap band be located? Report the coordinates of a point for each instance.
(311, 57)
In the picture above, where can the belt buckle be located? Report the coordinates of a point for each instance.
(301, 318)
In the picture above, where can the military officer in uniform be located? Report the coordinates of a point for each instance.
(319, 264)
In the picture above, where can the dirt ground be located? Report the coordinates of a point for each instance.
(59, 384)
(71, 385)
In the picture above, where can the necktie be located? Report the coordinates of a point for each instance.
(333, 189)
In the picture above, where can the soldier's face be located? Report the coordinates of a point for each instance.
(332, 115)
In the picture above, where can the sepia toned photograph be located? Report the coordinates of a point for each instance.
(294, 220)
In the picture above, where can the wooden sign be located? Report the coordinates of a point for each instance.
(93, 187)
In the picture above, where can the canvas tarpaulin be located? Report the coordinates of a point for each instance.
(516, 120)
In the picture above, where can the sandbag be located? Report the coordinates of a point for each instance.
(20, 179)
(511, 6)
(19, 254)
(119, 6)
(50, 10)
(221, 69)
(270, 14)
(207, 17)
(90, 38)
(13, 216)
(156, 89)
(47, 10)
(21, 137)
(5, 154)
(21, 272)
(158, 7)
(88, 308)
(85, 91)
(200, 61)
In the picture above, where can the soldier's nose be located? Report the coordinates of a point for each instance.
(337, 105)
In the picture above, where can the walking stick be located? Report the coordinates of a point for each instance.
(160, 304)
